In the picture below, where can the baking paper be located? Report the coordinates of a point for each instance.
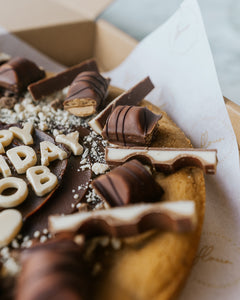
(178, 59)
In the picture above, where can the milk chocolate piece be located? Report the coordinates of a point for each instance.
(130, 125)
(179, 216)
(166, 160)
(130, 97)
(128, 183)
(18, 73)
(86, 93)
(54, 270)
(61, 80)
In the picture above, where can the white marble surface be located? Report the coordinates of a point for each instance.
(222, 22)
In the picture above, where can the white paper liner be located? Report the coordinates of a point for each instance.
(178, 59)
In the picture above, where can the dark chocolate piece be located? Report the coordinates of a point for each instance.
(54, 270)
(61, 80)
(179, 216)
(86, 93)
(128, 183)
(167, 160)
(130, 97)
(131, 125)
(18, 73)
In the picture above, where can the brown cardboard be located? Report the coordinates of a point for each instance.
(65, 30)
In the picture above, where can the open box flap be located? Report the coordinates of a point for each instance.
(16, 16)
(90, 8)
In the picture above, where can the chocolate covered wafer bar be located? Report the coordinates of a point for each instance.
(61, 80)
(164, 159)
(128, 183)
(86, 93)
(130, 125)
(54, 270)
(18, 73)
(130, 97)
(130, 220)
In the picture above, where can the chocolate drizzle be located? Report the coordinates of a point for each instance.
(88, 90)
(128, 183)
(130, 125)
(53, 270)
(56, 83)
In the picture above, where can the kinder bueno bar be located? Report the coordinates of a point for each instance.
(128, 183)
(53, 270)
(86, 93)
(18, 73)
(179, 216)
(131, 125)
(130, 97)
(61, 80)
(164, 159)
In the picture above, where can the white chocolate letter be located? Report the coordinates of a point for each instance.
(15, 198)
(24, 134)
(22, 158)
(6, 138)
(42, 180)
(71, 140)
(50, 152)
(4, 168)
(10, 225)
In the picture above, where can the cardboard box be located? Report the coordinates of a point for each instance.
(66, 31)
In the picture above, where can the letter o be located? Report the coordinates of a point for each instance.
(16, 198)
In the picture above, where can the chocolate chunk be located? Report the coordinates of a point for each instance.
(128, 183)
(166, 160)
(131, 125)
(18, 73)
(86, 93)
(57, 104)
(130, 97)
(55, 270)
(179, 216)
(7, 102)
(61, 80)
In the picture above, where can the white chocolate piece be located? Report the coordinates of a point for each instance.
(24, 134)
(6, 138)
(50, 152)
(22, 158)
(130, 215)
(18, 196)
(4, 168)
(159, 157)
(99, 168)
(41, 179)
(10, 225)
(71, 141)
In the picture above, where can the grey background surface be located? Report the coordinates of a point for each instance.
(222, 22)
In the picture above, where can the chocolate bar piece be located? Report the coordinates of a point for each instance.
(164, 159)
(179, 216)
(130, 97)
(130, 125)
(54, 270)
(86, 93)
(18, 73)
(128, 183)
(61, 80)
